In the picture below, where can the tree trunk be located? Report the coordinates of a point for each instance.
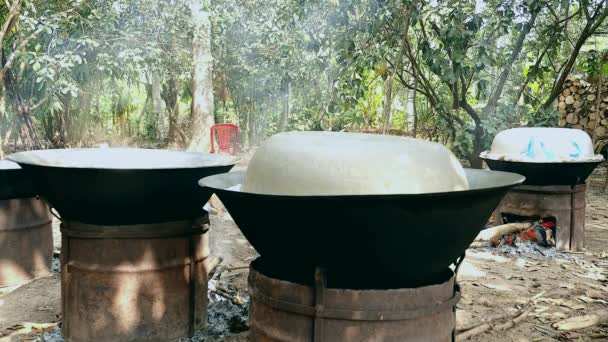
(27, 132)
(534, 69)
(169, 94)
(414, 111)
(4, 119)
(388, 101)
(85, 108)
(285, 85)
(146, 109)
(202, 81)
(251, 117)
(410, 121)
(157, 101)
(22, 108)
(506, 70)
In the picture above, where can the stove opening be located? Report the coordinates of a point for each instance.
(542, 232)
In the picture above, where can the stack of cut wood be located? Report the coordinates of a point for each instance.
(581, 106)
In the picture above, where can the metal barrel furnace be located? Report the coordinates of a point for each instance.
(134, 258)
(26, 237)
(139, 282)
(284, 311)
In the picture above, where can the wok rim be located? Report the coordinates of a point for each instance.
(9, 165)
(517, 179)
(17, 158)
(547, 163)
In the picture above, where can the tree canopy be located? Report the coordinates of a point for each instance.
(159, 73)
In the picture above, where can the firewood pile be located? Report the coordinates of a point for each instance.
(582, 105)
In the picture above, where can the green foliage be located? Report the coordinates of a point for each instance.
(86, 70)
(463, 144)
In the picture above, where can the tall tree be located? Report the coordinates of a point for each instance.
(202, 78)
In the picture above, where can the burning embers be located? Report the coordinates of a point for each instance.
(541, 232)
(565, 204)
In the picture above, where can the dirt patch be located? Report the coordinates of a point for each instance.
(29, 309)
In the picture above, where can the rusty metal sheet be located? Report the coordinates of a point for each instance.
(26, 240)
(134, 289)
(283, 311)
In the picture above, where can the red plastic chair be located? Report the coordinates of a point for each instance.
(227, 138)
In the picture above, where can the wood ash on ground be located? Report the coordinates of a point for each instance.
(56, 264)
(531, 248)
(228, 313)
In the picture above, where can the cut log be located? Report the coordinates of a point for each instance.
(577, 126)
(581, 91)
(600, 131)
(573, 89)
(604, 122)
(572, 118)
(562, 122)
(562, 105)
(582, 322)
(566, 92)
(593, 116)
(576, 97)
(591, 97)
(561, 98)
(570, 100)
(605, 99)
(591, 124)
(583, 121)
(577, 104)
(562, 112)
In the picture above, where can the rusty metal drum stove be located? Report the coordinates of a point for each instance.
(134, 260)
(26, 237)
(285, 311)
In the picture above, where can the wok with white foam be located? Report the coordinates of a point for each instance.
(121, 186)
(546, 156)
(360, 206)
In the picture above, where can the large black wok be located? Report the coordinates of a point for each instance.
(14, 182)
(365, 241)
(564, 173)
(122, 186)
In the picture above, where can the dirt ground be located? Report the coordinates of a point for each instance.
(543, 285)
